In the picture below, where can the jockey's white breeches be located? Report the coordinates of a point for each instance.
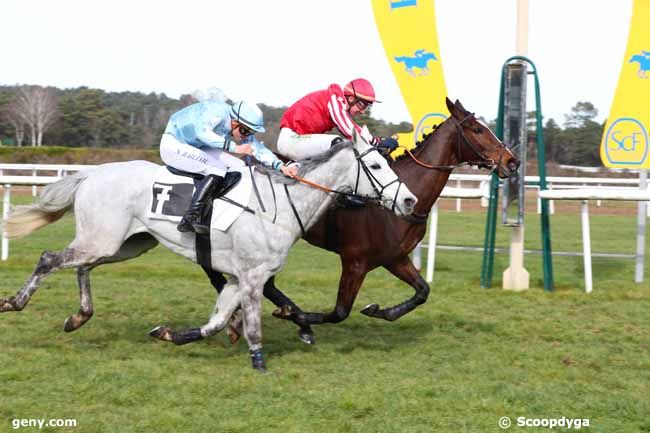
(296, 147)
(204, 161)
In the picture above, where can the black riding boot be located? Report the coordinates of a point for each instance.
(191, 221)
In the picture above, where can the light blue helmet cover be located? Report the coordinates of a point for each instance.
(249, 114)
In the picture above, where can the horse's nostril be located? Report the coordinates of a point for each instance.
(409, 202)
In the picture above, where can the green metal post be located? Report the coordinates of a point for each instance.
(491, 222)
(488, 248)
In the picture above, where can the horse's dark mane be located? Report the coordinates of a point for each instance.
(419, 144)
(306, 165)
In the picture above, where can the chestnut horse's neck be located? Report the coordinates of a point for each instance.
(439, 149)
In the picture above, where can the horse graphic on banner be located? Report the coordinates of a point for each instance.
(419, 60)
(643, 60)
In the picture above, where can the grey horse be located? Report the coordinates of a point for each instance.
(110, 206)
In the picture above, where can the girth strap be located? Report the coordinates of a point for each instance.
(275, 202)
(293, 208)
(257, 191)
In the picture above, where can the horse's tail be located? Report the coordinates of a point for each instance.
(55, 200)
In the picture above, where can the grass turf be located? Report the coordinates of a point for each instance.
(456, 364)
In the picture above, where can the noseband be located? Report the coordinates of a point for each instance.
(376, 186)
(483, 161)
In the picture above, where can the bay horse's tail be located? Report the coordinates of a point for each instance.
(55, 200)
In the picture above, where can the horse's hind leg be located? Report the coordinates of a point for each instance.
(86, 302)
(49, 262)
(134, 246)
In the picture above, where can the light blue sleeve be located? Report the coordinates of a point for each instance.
(264, 154)
(211, 128)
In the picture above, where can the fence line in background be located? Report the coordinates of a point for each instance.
(562, 188)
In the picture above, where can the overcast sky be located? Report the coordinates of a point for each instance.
(275, 51)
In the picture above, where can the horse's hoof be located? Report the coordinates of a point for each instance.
(75, 322)
(307, 337)
(7, 305)
(370, 310)
(257, 358)
(161, 332)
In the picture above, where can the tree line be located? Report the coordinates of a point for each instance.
(85, 117)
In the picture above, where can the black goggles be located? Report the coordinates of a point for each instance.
(245, 131)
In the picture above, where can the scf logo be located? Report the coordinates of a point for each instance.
(426, 124)
(626, 142)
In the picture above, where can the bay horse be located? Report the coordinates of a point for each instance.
(111, 203)
(369, 237)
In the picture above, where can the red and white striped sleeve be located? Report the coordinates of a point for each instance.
(339, 114)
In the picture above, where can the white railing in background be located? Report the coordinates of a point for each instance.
(33, 180)
(640, 195)
(59, 169)
(560, 188)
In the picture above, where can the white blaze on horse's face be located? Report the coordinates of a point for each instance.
(377, 179)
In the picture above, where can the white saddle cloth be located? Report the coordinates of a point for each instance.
(172, 194)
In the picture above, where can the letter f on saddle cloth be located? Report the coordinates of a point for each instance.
(305, 123)
(197, 140)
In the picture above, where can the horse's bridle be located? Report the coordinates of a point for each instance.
(373, 180)
(482, 162)
(376, 185)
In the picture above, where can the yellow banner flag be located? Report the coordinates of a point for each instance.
(625, 137)
(408, 33)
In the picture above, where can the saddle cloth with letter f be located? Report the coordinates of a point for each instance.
(171, 196)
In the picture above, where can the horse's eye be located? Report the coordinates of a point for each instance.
(477, 130)
(375, 166)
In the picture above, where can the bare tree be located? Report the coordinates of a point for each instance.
(38, 107)
(12, 115)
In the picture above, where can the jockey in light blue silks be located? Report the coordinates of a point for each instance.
(198, 138)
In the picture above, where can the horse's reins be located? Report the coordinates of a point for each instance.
(360, 165)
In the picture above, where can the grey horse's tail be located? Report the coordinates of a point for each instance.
(55, 200)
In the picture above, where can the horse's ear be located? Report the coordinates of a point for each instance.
(450, 105)
(460, 106)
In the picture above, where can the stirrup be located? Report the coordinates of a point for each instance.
(185, 226)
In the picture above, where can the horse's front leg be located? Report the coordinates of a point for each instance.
(405, 271)
(250, 285)
(227, 302)
(287, 309)
(352, 276)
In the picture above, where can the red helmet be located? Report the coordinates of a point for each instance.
(360, 88)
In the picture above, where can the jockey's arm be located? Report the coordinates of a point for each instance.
(205, 134)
